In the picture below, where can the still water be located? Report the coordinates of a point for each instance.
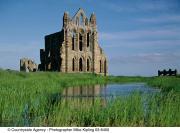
(80, 95)
(86, 96)
(109, 90)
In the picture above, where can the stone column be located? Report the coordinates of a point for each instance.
(95, 53)
(66, 49)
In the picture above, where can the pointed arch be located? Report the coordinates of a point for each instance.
(73, 40)
(105, 67)
(80, 64)
(81, 20)
(100, 66)
(77, 20)
(86, 21)
(88, 39)
(88, 65)
(73, 64)
(80, 42)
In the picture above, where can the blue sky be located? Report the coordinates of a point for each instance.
(138, 36)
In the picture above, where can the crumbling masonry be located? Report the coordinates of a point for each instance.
(75, 48)
(28, 65)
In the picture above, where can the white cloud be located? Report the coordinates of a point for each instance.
(152, 58)
(161, 19)
(146, 63)
(148, 35)
(139, 6)
(146, 44)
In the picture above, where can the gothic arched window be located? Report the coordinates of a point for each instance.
(77, 21)
(73, 65)
(100, 66)
(88, 39)
(80, 42)
(105, 67)
(73, 41)
(86, 21)
(88, 65)
(80, 64)
(81, 21)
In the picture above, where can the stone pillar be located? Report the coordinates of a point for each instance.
(85, 51)
(77, 42)
(95, 53)
(68, 49)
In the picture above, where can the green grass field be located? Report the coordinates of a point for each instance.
(25, 101)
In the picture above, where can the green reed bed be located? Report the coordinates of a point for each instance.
(25, 100)
(166, 83)
(164, 110)
(25, 95)
(159, 110)
(127, 79)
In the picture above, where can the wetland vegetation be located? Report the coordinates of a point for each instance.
(30, 99)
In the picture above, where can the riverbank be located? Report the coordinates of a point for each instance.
(25, 100)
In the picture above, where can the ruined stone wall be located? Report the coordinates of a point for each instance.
(50, 57)
(75, 48)
(52, 51)
(28, 65)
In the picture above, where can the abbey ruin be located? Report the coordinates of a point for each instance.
(28, 65)
(75, 48)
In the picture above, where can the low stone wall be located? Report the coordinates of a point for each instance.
(167, 73)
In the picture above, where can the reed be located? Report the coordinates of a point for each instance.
(25, 101)
(159, 110)
(26, 94)
(166, 83)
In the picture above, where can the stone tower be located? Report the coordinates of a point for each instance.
(75, 48)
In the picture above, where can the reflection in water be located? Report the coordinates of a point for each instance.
(83, 91)
(84, 95)
(87, 95)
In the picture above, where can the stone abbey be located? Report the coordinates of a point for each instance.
(75, 48)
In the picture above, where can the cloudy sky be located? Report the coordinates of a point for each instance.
(138, 36)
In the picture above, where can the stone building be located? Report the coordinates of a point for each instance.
(75, 48)
(28, 65)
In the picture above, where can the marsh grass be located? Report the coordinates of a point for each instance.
(166, 83)
(127, 111)
(24, 96)
(25, 100)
